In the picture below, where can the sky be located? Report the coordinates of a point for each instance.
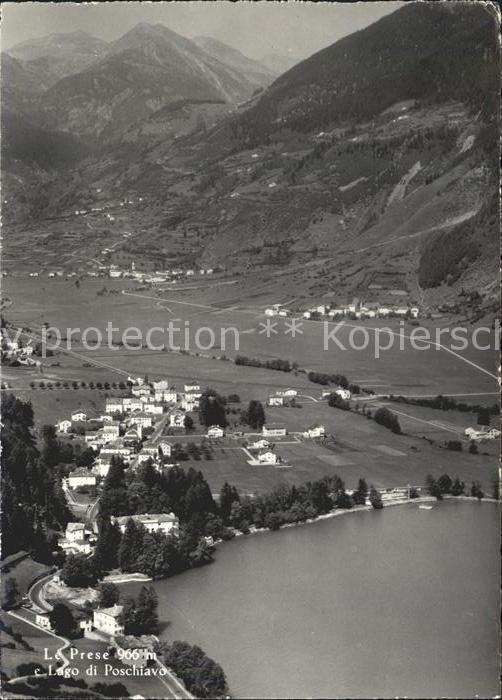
(291, 28)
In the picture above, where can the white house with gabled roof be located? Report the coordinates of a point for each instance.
(268, 457)
(81, 477)
(109, 620)
(274, 430)
(63, 426)
(177, 419)
(79, 416)
(215, 431)
(315, 431)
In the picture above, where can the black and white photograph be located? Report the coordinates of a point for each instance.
(250, 341)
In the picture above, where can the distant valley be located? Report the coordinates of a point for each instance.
(373, 162)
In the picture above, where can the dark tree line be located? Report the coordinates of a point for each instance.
(277, 364)
(388, 419)
(33, 503)
(444, 485)
(446, 403)
(187, 494)
(202, 676)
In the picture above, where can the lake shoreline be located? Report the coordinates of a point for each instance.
(336, 512)
(264, 610)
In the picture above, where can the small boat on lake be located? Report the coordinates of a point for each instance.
(424, 507)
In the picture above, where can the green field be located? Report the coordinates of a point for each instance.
(59, 303)
(363, 449)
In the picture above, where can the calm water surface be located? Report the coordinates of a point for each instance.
(393, 603)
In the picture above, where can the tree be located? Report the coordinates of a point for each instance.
(147, 617)
(458, 487)
(140, 615)
(188, 422)
(10, 593)
(343, 500)
(360, 495)
(79, 571)
(484, 416)
(473, 448)
(432, 487)
(444, 484)
(228, 496)
(387, 418)
(109, 594)
(255, 415)
(131, 546)
(107, 546)
(496, 488)
(477, 491)
(201, 675)
(212, 409)
(30, 668)
(375, 498)
(61, 620)
(50, 446)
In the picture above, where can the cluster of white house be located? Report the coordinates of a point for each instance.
(282, 397)
(356, 308)
(108, 624)
(157, 277)
(361, 309)
(79, 540)
(265, 450)
(16, 350)
(126, 422)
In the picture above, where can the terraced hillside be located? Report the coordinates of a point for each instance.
(374, 162)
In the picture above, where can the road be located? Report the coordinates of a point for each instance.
(58, 654)
(36, 594)
(175, 688)
(36, 335)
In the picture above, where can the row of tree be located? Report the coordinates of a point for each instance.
(277, 364)
(202, 676)
(455, 487)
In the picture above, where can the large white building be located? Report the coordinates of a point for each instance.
(275, 401)
(109, 620)
(78, 416)
(268, 457)
(274, 430)
(75, 532)
(315, 431)
(81, 477)
(153, 409)
(75, 539)
(167, 523)
(166, 395)
(161, 385)
(215, 431)
(192, 389)
(117, 449)
(142, 419)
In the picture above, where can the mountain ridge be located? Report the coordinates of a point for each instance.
(380, 144)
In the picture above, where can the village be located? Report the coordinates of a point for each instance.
(355, 309)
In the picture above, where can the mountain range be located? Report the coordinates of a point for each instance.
(85, 86)
(382, 144)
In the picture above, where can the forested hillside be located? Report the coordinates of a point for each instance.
(424, 51)
(33, 504)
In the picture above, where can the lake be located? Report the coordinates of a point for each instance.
(397, 602)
